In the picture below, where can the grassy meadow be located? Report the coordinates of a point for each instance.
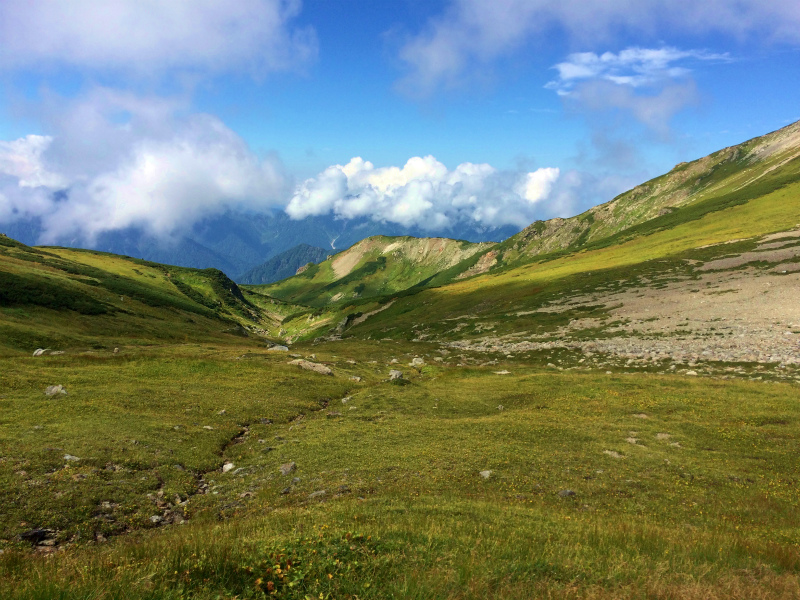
(600, 486)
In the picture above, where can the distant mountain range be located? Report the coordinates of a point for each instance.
(284, 264)
(238, 243)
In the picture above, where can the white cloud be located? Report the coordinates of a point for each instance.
(148, 36)
(471, 34)
(634, 67)
(154, 169)
(425, 193)
(22, 159)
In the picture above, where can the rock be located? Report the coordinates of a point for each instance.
(55, 390)
(278, 348)
(71, 458)
(40, 351)
(395, 374)
(287, 468)
(500, 407)
(37, 536)
(691, 373)
(222, 412)
(417, 362)
(317, 494)
(632, 440)
(285, 491)
(346, 399)
(612, 453)
(209, 427)
(566, 494)
(394, 361)
(502, 372)
(116, 350)
(264, 421)
(640, 416)
(334, 414)
(227, 467)
(486, 474)
(663, 436)
(311, 366)
(355, 378)
(156, 519)
(295, 480)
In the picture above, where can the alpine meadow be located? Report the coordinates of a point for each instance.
(324, 300)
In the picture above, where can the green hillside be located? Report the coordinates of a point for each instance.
(375, 266)
(58, 297)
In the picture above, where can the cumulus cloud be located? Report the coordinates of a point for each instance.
(425, 193)
(153, 167)
(475, 33)
(149, 36)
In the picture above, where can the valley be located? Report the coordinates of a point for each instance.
(598, 407)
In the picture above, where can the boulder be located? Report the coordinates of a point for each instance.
(395, 374)
(55, 390)
(311, 366)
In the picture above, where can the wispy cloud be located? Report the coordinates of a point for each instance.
(470, 35)
(632, 67)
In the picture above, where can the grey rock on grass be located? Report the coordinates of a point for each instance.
(287, 468)
(55, 390)
(311, 366)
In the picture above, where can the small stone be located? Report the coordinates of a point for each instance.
(222, 412)
(285, 491)
(278, 348)
(71, 458)
(156, 519)
(612, 453)
(295, 480)
(632, 440)
(640, 416)
(116, 350)
(227, 467)
(209, 427)
(55, 390)
(662, 436)
(178, 467)
(287, 468)
(40, 351)
(500, 407)
(394, 361)
(691, 373)
(502, 372)
(334, 414)
(317, 494)
(417, 362)
(566, 494)
(346, 400)
(486, 474)
(355, 378)
(395, 374)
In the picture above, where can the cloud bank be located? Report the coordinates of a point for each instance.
(471, 34)
(117, 161)
(424, 193)
(150, 36)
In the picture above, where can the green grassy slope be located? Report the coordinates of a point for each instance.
(681, 488)
(58, 298)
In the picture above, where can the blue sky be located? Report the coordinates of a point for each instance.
(151, 114)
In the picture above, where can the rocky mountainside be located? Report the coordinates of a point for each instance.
(725, 178)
